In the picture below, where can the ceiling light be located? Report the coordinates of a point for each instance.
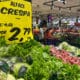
(63, 1)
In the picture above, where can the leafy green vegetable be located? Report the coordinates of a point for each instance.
(3, 76)
(10, 77)
(20, 69)
(35, 59)
(29, 60)
(20, 79)
(2, 42)
(69, 48)
(4, 66)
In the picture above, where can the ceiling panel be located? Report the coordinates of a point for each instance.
(72, 7)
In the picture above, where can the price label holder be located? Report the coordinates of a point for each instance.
(16, 20)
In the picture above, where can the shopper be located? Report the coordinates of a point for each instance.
(48, 36)
(43, 28)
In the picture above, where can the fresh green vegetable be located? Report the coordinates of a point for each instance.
(29, 60)
(10, 77)
(4, 66)
(3, 76)
(2, 42)
(20, 69)
(32, 61)
(69, 48)
(20, 79)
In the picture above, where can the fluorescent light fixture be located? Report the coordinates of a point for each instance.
(63, 1)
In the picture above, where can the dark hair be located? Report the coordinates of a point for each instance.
(43, 23)
(48, 30)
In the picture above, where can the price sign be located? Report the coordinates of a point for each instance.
(16, 20)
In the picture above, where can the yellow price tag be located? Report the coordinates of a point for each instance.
(16, 20)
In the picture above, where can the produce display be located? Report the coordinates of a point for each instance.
(72, 49)
(71, 39)
(33, 61)
(65, 56)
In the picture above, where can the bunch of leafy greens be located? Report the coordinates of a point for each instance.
(2, 42)
(69, 48)
(43, 66)
(47, 67)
